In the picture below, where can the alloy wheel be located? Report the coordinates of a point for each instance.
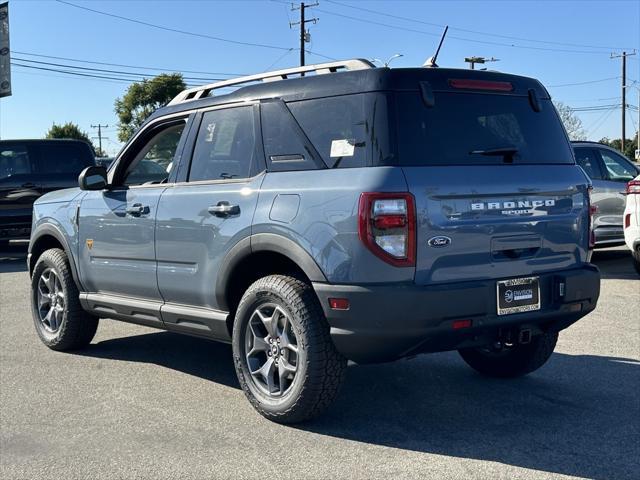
(51, 300)
(272, 350)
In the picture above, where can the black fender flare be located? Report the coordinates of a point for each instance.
(48, 229)
(264, 242)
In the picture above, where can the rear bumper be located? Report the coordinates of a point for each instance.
(388, 322)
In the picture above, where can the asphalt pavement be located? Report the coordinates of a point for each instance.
(142, 403)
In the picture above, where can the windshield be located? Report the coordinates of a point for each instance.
(472, 129)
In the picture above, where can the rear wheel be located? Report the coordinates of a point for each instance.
(59, 319)
(285, 360)
(511, 361)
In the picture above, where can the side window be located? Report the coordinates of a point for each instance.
(340, 128)
(617, 168)
(586, 158)
(154, 161)
(284, 143)
(226, 145)
(14, 160)
(65, 158)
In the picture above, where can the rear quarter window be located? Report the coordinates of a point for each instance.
(347, 131)
(461, 123)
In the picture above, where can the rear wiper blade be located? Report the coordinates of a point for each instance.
(505, 151)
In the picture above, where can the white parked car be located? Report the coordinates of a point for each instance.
(632, 220)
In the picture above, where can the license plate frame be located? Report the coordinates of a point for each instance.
(518, 295)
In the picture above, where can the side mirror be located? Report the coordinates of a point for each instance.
(93, 178)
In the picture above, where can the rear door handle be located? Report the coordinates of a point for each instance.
(224, 209)
(28, 185)
(137, 209)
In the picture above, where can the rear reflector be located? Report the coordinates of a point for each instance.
(339, 303)
(627, 220)
(481, 85)
(458, 324)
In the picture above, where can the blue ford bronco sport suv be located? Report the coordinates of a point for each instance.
(352, 213)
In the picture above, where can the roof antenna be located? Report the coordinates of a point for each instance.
(431, 61)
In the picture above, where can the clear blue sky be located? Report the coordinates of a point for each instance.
(55, 29)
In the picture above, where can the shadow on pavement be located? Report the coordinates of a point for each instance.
(194, 356)
(13, 258)
(579, 415)
(615, 263)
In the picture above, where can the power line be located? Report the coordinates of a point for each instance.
(120, 79)
(486, 42)
(584, 83)
(477, 32)
(174, 30)
(94, 62)
(102, 70)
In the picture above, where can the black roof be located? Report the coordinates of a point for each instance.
(44, 140)
(356, 81)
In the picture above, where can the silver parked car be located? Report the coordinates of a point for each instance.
(609, 172)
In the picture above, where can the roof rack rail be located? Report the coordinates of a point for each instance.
(319, 68)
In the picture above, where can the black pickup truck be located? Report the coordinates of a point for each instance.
(28, 170)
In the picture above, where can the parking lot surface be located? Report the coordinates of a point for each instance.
(141, 403)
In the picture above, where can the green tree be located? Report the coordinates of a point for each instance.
(630, 145)
(142, 99)
(572, 124)
(67, 130)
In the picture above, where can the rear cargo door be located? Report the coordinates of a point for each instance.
(497, 191)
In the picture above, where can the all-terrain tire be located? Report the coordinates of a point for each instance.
(77, 327)
(321, 369)
(512, 361)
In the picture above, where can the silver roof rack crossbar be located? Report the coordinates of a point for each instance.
(320, 69)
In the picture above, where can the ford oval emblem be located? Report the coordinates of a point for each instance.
(439, 241)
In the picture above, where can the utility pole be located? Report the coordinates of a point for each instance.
(624, 93)
(473, 60)
(99, 127)
(305, 36)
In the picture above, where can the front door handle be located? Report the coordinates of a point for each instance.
(28, 185)
(137, 209)
(224, 209)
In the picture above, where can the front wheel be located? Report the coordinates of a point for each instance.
(285, 360)
(511, 361)
(59, 319)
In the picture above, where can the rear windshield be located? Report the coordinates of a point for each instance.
(471, 129)
(68, 158)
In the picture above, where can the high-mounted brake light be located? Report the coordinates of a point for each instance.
(481, 85)
(387, 226)
(633, 187)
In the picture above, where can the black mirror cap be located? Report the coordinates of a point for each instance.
(93, 178)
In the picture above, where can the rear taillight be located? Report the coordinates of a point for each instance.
(633, 187)
(592, 211)
(387, 226)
